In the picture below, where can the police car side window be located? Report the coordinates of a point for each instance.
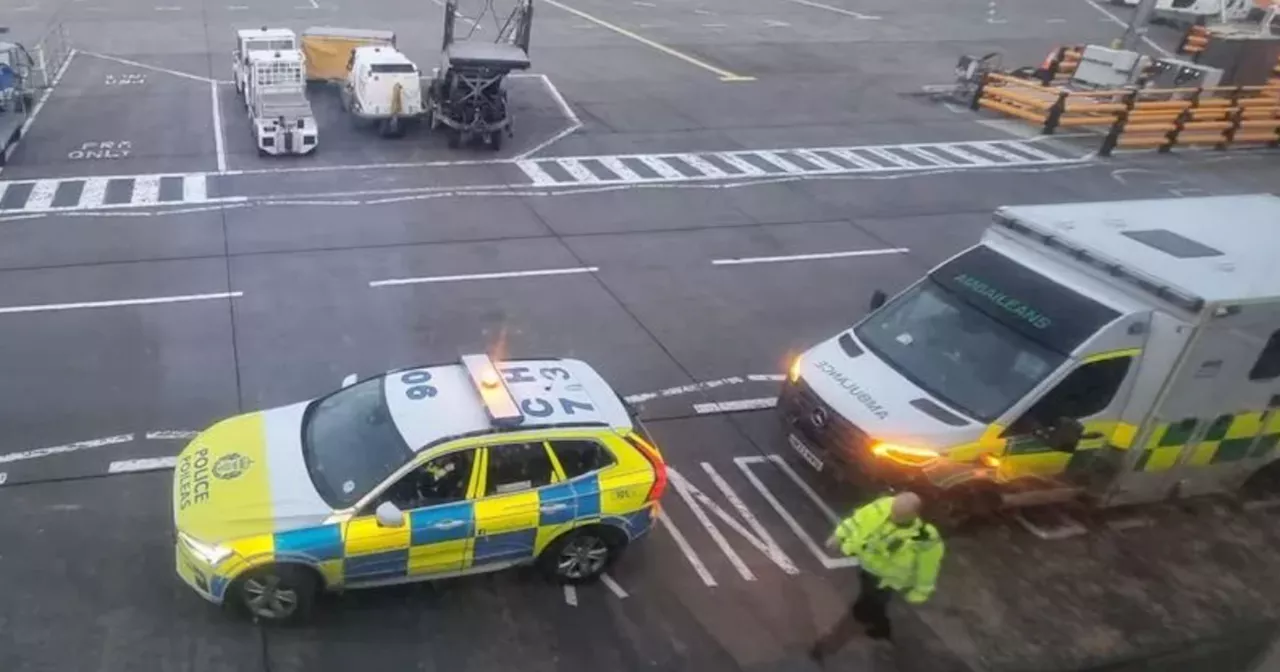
(440, 481)
(515, 467)
(579, 457)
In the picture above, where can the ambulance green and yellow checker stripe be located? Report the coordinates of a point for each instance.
(1228, 438)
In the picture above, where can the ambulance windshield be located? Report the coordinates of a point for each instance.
(982, 331)
(955, 352)
(350, 443)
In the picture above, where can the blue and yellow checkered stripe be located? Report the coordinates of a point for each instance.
(1228, 438)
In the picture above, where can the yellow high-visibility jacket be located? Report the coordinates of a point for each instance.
(904, 558)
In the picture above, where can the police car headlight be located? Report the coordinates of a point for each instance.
(212, 554)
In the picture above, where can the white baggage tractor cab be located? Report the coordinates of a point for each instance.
(253, 40)
(1118, 352)
(283, 122)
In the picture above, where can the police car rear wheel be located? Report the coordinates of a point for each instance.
(277, 594)
(580, 556)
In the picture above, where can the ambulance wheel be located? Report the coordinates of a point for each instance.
(276, 593)
(495, 141)
(582, 555)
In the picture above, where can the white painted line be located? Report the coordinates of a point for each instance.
(808, 541)
(194, 189)
(837, 10)
(35, 111)
(559, 98)
(146, 191)
(3, 477)
(662, 168)
(928, 156)
(848, 155)
(66, 448)
(94, 190)
(168, 9)
(995, 150)
(144, 66)
(485, 276)
(613, 586)
(735, 406)
(579, 172)
(766, 377)
(1261, 504)
(746, 167)
(539, 176)
(4, 187)
(684, 489)
(891, 158)
(619, 168)
(1122, 524)
(809, 257)
(42, 194)
(809, 491)
(1025, 149)
(237, 8)
(49, 307)
(145, 464)
(165, 435)
(770, 547)
(701, 165)
(219, 147)
(1123, 24)
(689, 554)
(778, 161)
(1069, 528)
(817, 160)
(570, 595)
(967, 156)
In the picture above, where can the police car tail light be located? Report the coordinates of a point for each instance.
(908, 455)
(659, 468)
(498, 402)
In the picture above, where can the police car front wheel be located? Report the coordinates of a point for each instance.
(277, 593)
(581, 556)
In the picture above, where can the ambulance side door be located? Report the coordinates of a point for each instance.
(1093, 392)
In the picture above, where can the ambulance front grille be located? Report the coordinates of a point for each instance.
(820, 423)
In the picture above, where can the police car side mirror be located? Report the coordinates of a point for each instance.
(349, 380)
(389, 515)
(878, 298)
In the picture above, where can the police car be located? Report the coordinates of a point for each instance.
(416, 474)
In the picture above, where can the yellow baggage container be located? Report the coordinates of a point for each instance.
(328, 50)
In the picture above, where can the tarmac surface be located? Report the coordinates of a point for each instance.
(157, 275)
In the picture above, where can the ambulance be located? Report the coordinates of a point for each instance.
(1113, 353)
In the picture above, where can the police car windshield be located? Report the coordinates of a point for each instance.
(350, 443)
(955, 352)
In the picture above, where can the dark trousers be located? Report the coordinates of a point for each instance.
(868, 614)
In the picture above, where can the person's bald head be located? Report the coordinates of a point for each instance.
(905, 508)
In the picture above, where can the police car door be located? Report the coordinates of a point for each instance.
(508, 511)
(436, 499)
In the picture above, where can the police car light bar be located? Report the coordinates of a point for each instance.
(498, 402)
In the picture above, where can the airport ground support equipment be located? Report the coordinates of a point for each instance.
(1104, 354)
(468, 94)
(383, 88)
(276, 99)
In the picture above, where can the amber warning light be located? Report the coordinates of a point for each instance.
(498, 402)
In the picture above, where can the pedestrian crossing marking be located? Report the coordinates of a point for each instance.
(747, 164)
(53, 195)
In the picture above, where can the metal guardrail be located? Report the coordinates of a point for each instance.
(1141, 118)
(49, 55)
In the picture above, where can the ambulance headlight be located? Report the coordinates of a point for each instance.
(211, 554)
(793, 373)
(908, 455)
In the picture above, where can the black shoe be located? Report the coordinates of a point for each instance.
(880, 635)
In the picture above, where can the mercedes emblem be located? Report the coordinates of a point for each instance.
(818, 417)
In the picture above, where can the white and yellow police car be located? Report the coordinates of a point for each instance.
(416, 474)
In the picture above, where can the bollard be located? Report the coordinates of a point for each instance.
(977, 93)
(1122, 119)
(1055, 114)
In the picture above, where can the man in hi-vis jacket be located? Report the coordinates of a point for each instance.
(896, 552)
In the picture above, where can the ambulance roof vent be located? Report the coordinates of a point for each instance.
(1112, 267)
(1173, 244)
